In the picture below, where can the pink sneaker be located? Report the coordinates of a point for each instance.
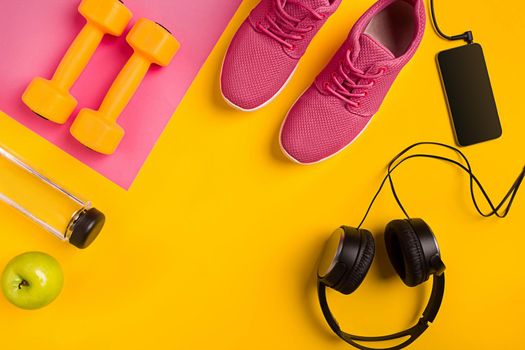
(267, 47)
(338, 106)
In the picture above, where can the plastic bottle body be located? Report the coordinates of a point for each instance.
(42, 200)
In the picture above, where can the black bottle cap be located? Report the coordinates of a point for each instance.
(87, 228)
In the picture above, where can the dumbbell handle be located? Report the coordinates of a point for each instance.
(124, 87)
(78, 56)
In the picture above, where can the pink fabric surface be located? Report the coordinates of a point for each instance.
(35, 34)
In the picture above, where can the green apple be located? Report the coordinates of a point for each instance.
(32, 280)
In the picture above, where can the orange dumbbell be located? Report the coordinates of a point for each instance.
(51, 99)
(152, 44)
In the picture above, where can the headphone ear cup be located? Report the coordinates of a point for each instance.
(355, 274)
(405, 252)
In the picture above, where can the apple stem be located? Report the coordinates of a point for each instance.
(24, 283)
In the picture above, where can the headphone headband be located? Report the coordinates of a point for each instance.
(415, 257)
(429, 314)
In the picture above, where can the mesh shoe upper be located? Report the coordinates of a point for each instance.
(267, 47)
(348, 92)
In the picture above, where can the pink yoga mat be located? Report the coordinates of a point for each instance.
(34, 35)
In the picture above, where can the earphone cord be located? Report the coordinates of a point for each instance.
(495, 210)
(468, 37)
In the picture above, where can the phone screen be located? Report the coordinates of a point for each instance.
(469, 94)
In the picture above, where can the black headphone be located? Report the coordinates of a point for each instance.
(413, 251)
(411, 246)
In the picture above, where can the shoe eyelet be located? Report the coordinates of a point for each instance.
(310, 28)
(292, 47)
(301, 36)
(326, 86)
(365, 93)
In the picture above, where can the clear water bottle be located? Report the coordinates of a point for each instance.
(52, 207)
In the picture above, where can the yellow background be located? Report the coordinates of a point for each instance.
(216, 243)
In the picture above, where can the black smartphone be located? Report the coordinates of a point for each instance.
(469, 94)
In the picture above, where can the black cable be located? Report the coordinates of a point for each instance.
(495, 210)
(468, 169)
(468, 37)
(511, 194)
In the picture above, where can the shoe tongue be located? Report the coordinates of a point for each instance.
(299, 12)
(371, 52)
